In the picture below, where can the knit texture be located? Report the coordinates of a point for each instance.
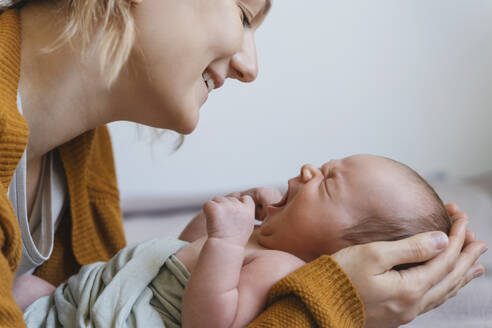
(317, 295)
(13, 138)
(92, 229)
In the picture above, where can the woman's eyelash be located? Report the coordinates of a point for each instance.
(246, 21)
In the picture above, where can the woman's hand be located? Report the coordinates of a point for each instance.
(28, 288)
(261, 196)
(392, 298)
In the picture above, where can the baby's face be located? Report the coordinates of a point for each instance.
(321, 202)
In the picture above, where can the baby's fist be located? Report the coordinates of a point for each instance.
(230, 218)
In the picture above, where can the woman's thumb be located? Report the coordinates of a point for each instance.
(415, 249)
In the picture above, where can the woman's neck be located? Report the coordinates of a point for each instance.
(61, 96)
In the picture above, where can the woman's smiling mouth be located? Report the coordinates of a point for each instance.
(212, 79)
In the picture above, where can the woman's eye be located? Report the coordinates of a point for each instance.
(245, 19)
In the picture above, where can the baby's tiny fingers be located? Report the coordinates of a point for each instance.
(234, 194)
(246, 198)
(248, 201)
(219, 199)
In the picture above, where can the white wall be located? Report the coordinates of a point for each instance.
(407, 79)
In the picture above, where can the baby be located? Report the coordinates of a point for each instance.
(355, 200)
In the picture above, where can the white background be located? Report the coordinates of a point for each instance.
(411, 80)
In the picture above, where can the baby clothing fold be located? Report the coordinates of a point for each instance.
(142, 286)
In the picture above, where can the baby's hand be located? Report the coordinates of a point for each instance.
(230, 218)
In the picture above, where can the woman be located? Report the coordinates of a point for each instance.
(82, 64)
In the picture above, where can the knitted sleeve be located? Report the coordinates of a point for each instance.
(10, 313)
(11, 149)
(319, 294)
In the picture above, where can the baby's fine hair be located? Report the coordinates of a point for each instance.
(429, 215)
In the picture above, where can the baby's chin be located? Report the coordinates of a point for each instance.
(267, 226)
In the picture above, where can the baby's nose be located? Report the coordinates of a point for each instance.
(308, 171)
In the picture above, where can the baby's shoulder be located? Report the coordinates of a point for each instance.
(272, 263)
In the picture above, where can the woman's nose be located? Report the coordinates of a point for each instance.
(244, 64)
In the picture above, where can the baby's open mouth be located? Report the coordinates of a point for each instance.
(283, 201)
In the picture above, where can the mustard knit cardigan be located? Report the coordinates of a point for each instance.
(317, 295)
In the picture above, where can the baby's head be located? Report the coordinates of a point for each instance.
(355, 200)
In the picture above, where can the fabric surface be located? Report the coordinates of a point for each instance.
(141, 286)
(324, 299)
(38, 230)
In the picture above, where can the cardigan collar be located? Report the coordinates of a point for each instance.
(13, 127)
(75, 154)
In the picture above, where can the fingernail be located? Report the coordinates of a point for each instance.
(477, 273)
(440, 240)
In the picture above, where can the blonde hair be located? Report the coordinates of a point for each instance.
(82, 17)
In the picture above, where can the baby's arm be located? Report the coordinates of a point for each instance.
(211, 297)
(28, 288)
(258, 275)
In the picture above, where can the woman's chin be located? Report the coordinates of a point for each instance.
(188, 123)
(187, 129)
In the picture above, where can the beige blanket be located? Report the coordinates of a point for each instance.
(141, 286)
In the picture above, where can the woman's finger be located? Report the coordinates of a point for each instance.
(452, 208)
(418, 248)
(459, 215)
(455, 214)
(475, 271)
(462, 273)
(470, 237)
(469, 277)
(432, 272)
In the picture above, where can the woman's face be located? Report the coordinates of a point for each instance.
(185, 48)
